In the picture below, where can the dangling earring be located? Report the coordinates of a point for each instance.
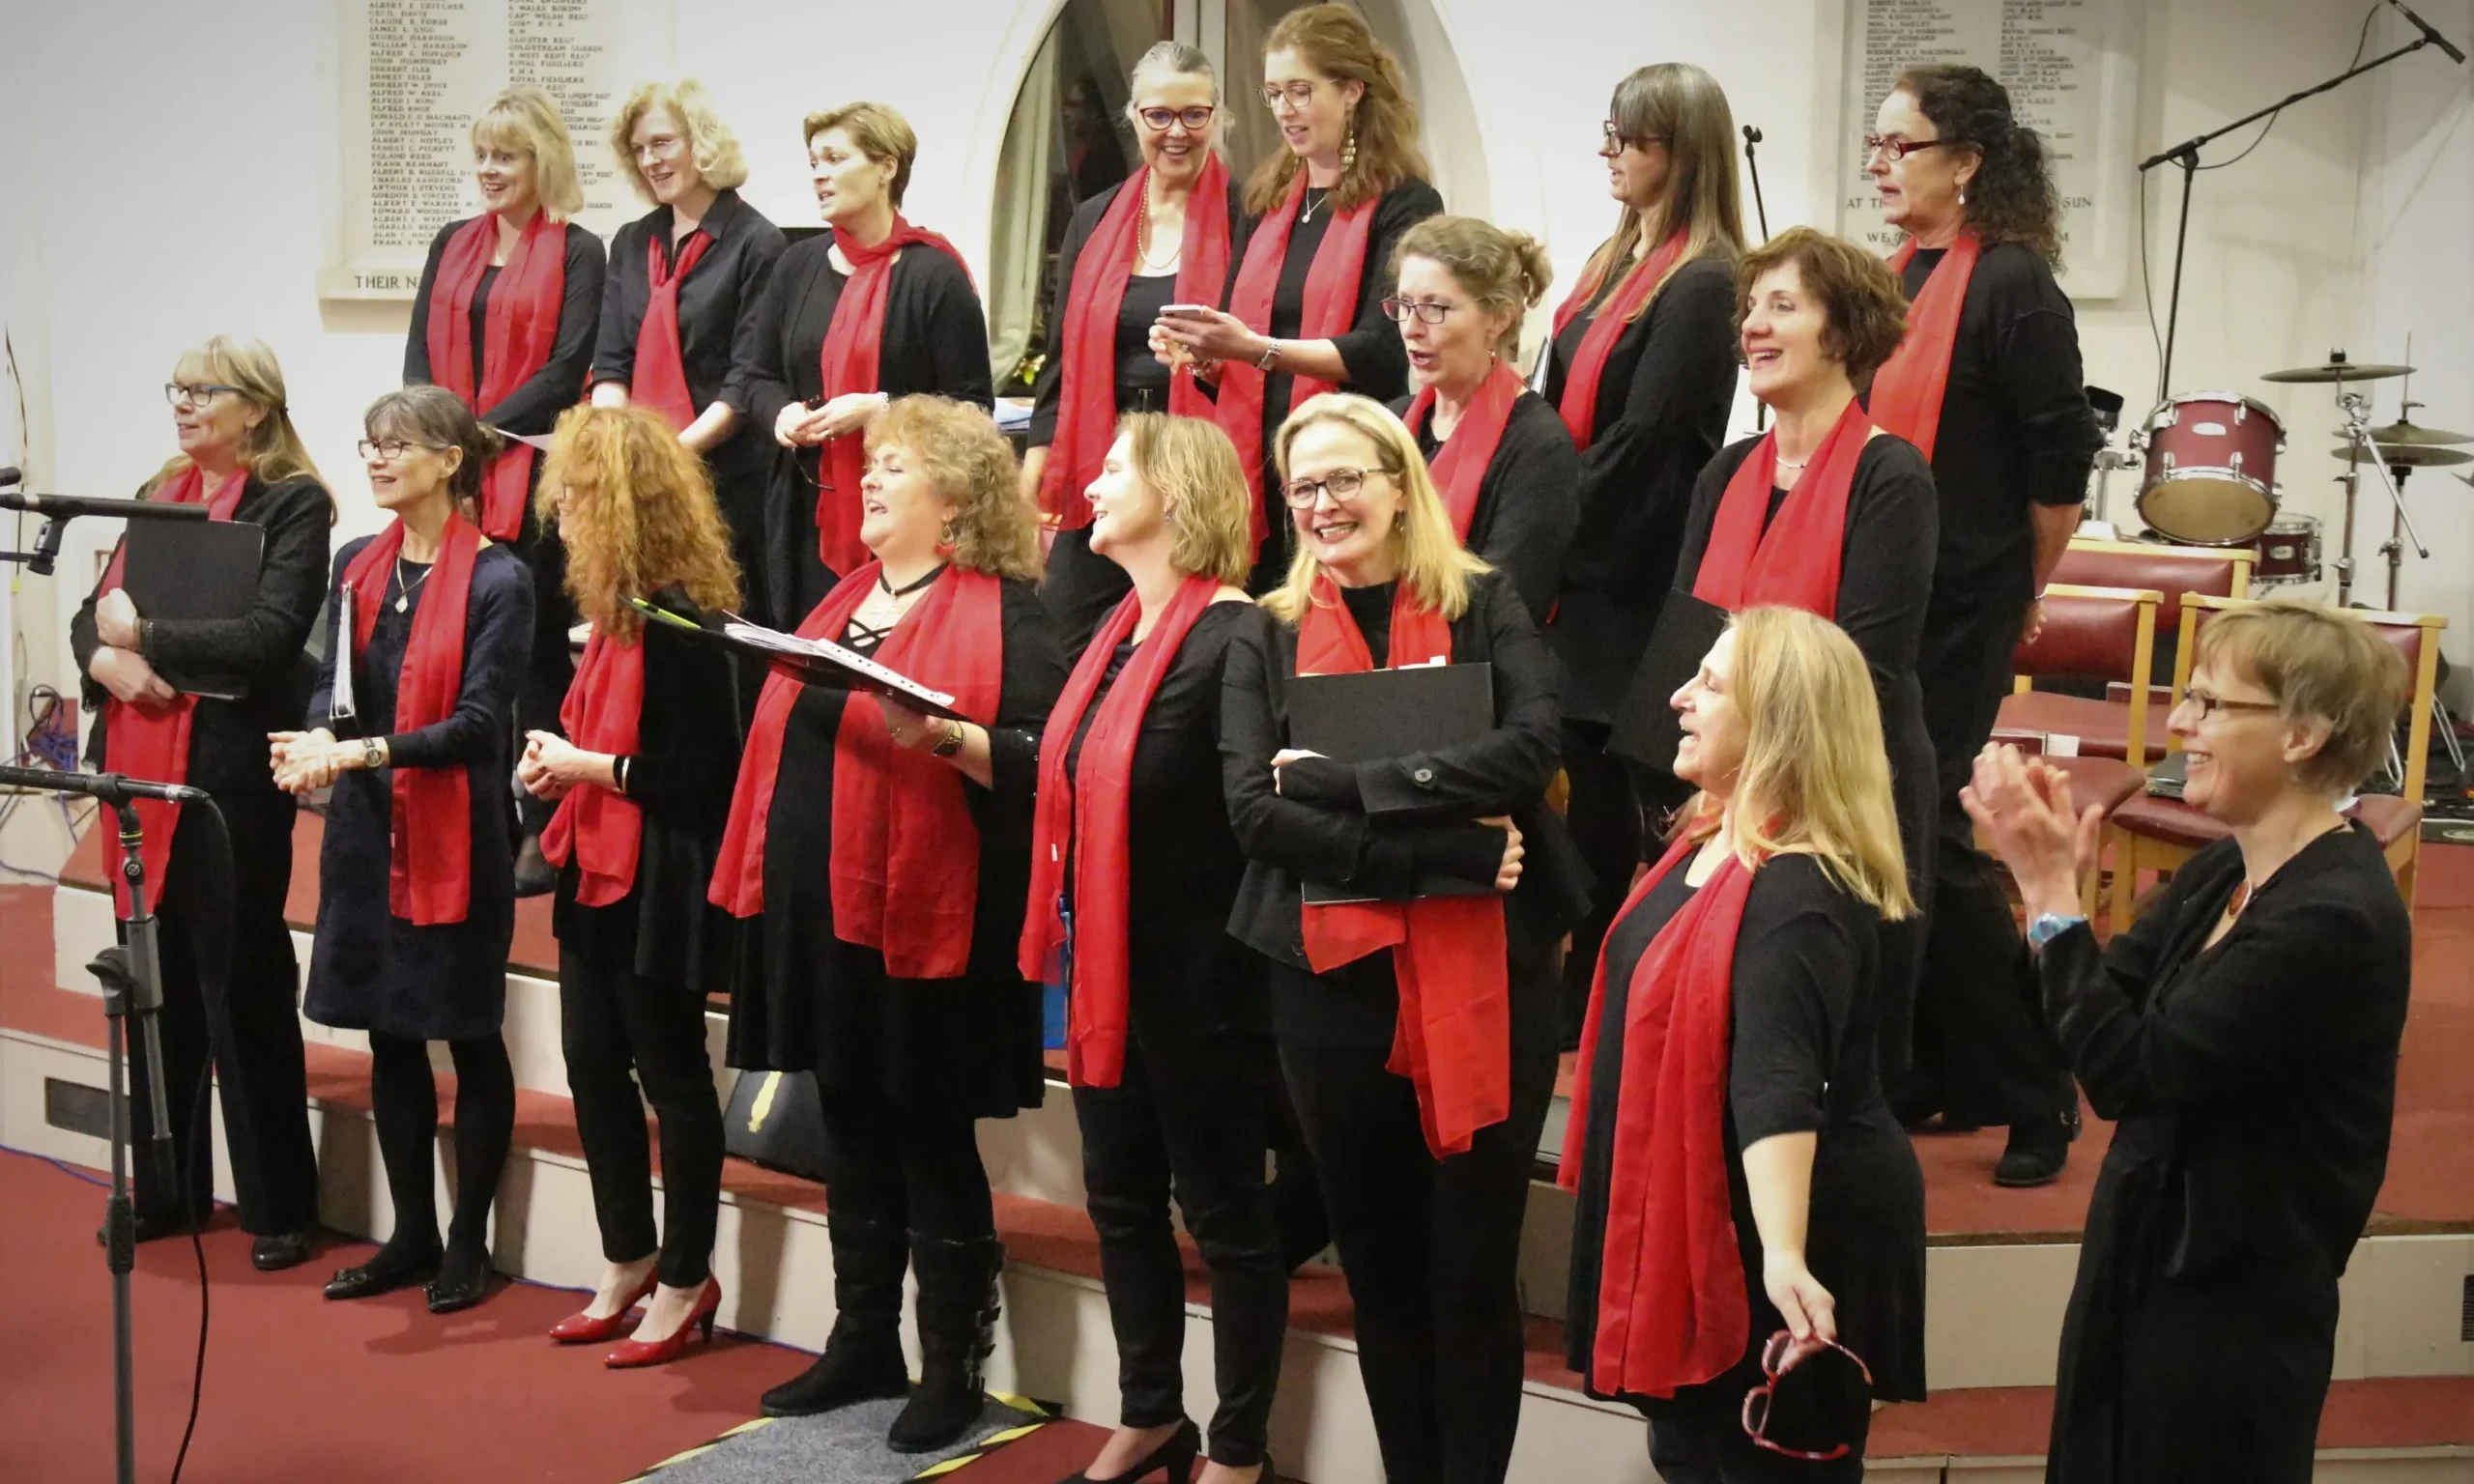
(946, 541)
(1963, 192)
(1167, 515)
(1348, 146)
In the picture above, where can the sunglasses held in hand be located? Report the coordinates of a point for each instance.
(1780, 1358)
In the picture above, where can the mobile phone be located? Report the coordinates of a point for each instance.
(1187, 309)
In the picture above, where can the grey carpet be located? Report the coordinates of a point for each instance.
(840, 1447)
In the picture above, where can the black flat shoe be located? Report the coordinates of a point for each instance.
(381, 1274)
(535, 875)
(283, 1249)
(463, 1280)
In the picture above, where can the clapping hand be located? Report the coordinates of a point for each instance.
(2022, 805)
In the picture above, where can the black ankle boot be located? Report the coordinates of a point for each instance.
(2036, 1153)
(863, 1361)
(957, 1308)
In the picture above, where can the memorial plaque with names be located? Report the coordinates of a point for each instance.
(415, 73)
(2071, 67)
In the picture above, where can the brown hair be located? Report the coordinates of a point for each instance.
(2011, 198)
(709, 141)
(436, 418)
(272, 449)
(2317, 662)
(1335, 41)
(1192, 466)
(1683, 105)
(880, 133)
(1501, 269)
(1864, 315)
(970, 462)
(649, 520)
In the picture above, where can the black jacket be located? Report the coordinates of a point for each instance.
(533, 407)
(1527, 503)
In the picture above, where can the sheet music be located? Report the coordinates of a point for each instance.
(339, 701)
(791, 645)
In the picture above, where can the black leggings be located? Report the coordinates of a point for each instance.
(615, 1024)
(404, 1101)
(915, 1169)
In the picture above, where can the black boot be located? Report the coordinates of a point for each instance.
(957, 1306)
(862, 1360)
(2037, 1151)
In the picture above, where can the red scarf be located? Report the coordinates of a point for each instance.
(1579, 405)
(429, 834)
(661, 368)
(1461, 468)
(1452, 1035)
(1087, 394)
(1089, 814)
(854, 343)
(1332, 285)
(904, 850)
(521, 327)
(153, 742)
(603, 828)
(1796, 561)
(1673, 1309)
(1907, 389)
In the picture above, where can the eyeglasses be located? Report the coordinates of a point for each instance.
(389, 449)
(1297, 95)
(1157, 120)
(1341, 484)
(1892, 148)
(2208, 706)
(192, 395)
(1617, 139)
(1432, 310)
(1775, 1366)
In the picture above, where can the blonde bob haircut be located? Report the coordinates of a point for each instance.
(879, 130)
(709, 141)
(525, 119)
(1816, 777)
(1192, 466)
(994, 529)
(271, 449)
(1434, 563)
(640, 516)
(2317, 664)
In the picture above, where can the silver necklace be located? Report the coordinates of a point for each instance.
(1314, 203)
(403, 594)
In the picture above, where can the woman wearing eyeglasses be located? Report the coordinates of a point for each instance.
(1416, 1033)
(1165, 235)
(2243, 1037)
(1988, 386)
(1737, 1171)
(240, 459)
(1304, 313)
(1643, 369)
(874, 309)
(1502, 460)
(427, 629)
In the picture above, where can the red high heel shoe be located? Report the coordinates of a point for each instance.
(587, 1329)
(631, 1353)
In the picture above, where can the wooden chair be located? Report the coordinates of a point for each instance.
(2158, 834)
(2102, 727)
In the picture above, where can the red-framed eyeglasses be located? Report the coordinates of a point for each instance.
(1778, 1356)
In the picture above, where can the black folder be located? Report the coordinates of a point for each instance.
(190, 570)
(1646, 729)
(1391, 713)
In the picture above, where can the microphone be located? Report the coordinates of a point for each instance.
(111, 788)
(61, 508)
(1751, 135)
(2429, 32)
(10, 474)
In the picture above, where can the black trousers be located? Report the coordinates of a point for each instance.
(553, 665)
(1432, 1252)
(251, 1031)
(1982, 1051)
(1604, 819)
(1701, 1441)
(913, 1169)
(622, 1032)
(1188, 1115)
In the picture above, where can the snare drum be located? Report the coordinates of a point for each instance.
(2211, 477)
(2289, 552)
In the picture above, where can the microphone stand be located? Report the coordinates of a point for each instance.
(1761, 212)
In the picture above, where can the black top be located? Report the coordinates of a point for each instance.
(228, 738)
(682, 775)
(2016, 429)
(1662, 404)
(717, 306)
(2251, 1083)
(370, 969)
(1801, 1060)
(1527, 501)
(533, 407)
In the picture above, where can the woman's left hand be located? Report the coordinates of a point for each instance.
(1213, 334)
(851, 413)
(115, 620)
(908, 728)
(2022, 806)
(1810, 1312)
(552, 765)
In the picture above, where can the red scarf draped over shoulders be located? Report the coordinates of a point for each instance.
(1579, 404)
(660, 380)
(1460, 469)
(601, 828)
(1795, 561)
(1909, 387)
(521, 329)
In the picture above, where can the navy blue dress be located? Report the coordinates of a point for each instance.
(370, 969)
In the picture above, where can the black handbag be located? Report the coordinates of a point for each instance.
(776, 1120)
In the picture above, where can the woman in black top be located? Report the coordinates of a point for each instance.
(2006, 424)
(1643, 369)
(1133, 872)
(704, 256)
(891, 974)
(1426, 1173)
(416, 890)
(643, 793)
(2243, 1037)
(918, 327)
(1745, 1094)
(240, 457)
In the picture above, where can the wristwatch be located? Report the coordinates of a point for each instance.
(1271, 356)
(373, 754)
(2048, 926)
(950, 743)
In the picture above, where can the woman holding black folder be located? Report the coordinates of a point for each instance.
(1416, 1033)
(886, 855)
(240, 459)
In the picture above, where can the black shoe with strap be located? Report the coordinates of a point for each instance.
(862, 1360)
(958, 1308)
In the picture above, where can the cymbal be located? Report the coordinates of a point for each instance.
(2339, 371)
(2416, 433)
(2410, 455)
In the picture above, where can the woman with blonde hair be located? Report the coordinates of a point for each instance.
(641, 794)
(886, 857)
(1416, 1031)
(684, 282)
(1133, 870)
(241, 458)
(1748, 1205)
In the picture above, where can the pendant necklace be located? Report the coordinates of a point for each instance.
(1314, 200)
(403, 594)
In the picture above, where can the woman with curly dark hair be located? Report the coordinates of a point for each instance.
(1988, 386)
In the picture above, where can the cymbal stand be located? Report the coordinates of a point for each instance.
(2109, 459)
(2358, 438)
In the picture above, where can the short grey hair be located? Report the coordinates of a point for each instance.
(1171, 59)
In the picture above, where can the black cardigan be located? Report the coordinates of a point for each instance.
(228, 738)
(1528, 502)
(533, 407)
